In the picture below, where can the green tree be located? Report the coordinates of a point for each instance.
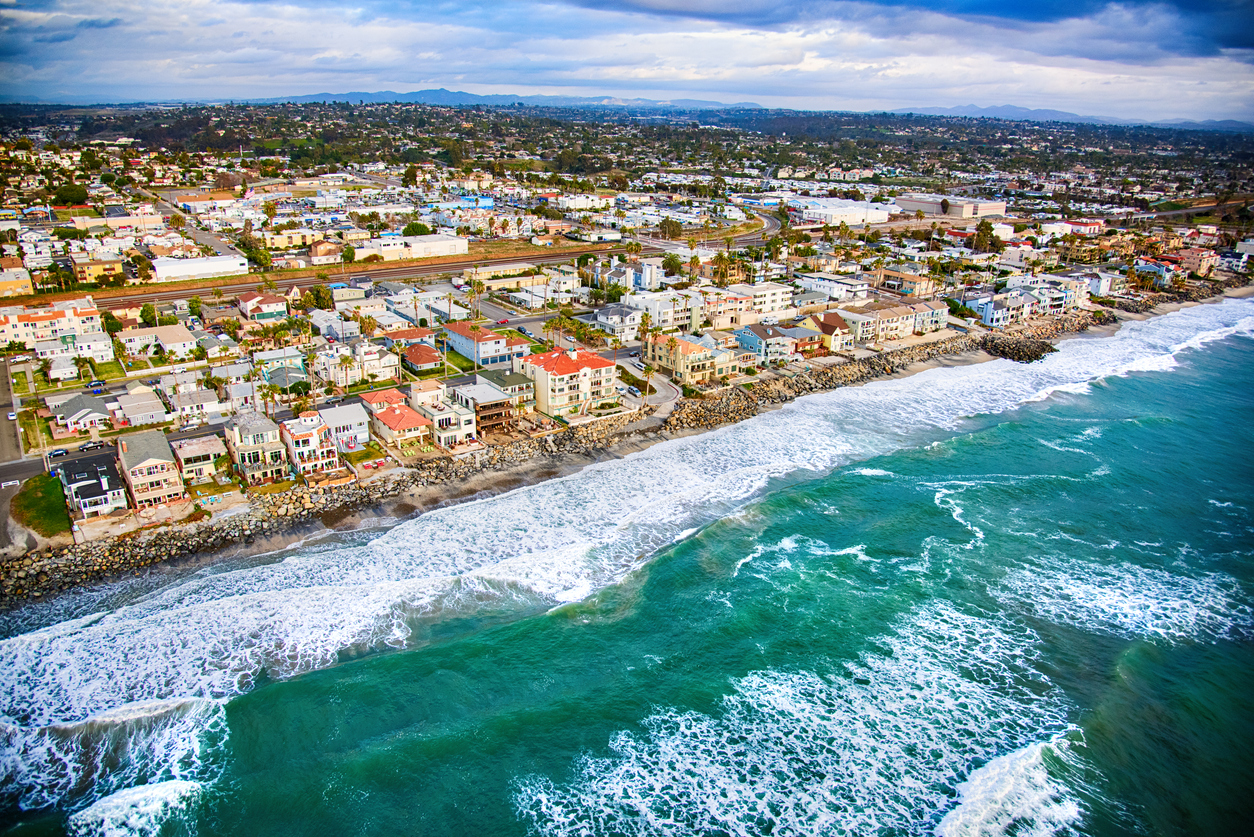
(415, 228)
(69, 194)
(410, 177)
(110, 323)
(349, 255)
(148, 315)
(194, 307)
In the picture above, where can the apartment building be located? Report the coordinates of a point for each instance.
(484, 346)
(568, 381)
(29, 326)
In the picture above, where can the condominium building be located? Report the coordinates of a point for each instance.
(310, 443)
(568, 381)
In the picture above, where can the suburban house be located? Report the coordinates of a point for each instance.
(93, 485)
(684, 360)
(136, 409)
(484, 346)
(768, 343)
(521, 388)
(836, 333)
(451, 423)
(407, 337)
(172, 339)
(149, 468)
(421, 358)
(349, 423)
(197, 404)
(81, 412)
(331, 325)
(196, 457)
(568, 381)
(342, 366)
(310, 445)
(495, 410)
(622, 321)
(261, 307)
(399, 425)
(259, 454)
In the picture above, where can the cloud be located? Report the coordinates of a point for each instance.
(1133, 59)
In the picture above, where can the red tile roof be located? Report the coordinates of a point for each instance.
(384, 396)
(560, 362)
(421, 354)
(400, 417)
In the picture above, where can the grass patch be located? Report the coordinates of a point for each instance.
(19, 384)
(39, 505)
(367, 453)
(30, 429)
(109, 369)
(273, 488)
(631, 380)
(460, 362)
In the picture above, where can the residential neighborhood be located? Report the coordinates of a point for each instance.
(212, 325)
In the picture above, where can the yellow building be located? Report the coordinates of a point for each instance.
(91, 268)
(15, 282)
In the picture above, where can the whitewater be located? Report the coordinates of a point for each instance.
(121, 713)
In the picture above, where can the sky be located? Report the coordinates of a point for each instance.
(1169, 59)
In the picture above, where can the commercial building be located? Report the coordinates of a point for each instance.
(952, 206)
(209, 267)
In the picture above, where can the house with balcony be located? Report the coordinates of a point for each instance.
(519, 387)
(495, 410)
(349, 423)
(621, 321)
(253, 442)
(197, 458)
(569, 381)
(310, 444)
(767, 343)
(92, 485)
(837, 336)
(684, 360)
(400, 425)
(149, 468)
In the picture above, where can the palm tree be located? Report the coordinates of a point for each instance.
(474, 339)
(648, 376)
(616, 344)
(672, 348)
(81, 363)
(269, 395)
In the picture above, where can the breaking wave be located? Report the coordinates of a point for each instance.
(219, 633)
(880, 747)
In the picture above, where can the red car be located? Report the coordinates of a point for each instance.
(502, 322)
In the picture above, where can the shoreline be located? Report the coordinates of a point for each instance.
(276, 525)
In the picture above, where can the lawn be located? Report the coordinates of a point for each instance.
(30, 429)
(509, 332)
(39, 505)
(366, 453)
(108, 370)
(632, 381)
(465, 364)
(19, 384)
(273, 488)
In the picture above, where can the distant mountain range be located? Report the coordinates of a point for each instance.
(1015, 113)
(455, 98)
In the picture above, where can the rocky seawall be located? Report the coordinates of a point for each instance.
(41, 574)
(739, 403)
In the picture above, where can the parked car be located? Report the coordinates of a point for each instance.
(638, 365)
(12, 416)
(634, 391)
(59, 452)
(91, 446)
(96, 383)
(523, 330)
(635, 354)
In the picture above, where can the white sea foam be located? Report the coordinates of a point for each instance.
(214, 635)
(141, 811)
(879, 747)
(873, 472)
(1012, 794)
(1131, 601)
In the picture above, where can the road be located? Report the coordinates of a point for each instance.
(10, 447)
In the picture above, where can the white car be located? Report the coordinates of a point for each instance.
(12, 416)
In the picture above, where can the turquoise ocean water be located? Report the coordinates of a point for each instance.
(992, 600)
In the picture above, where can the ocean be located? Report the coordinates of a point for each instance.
(999, 599)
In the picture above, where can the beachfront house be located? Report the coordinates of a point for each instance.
(149, 468)
(260, 456)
